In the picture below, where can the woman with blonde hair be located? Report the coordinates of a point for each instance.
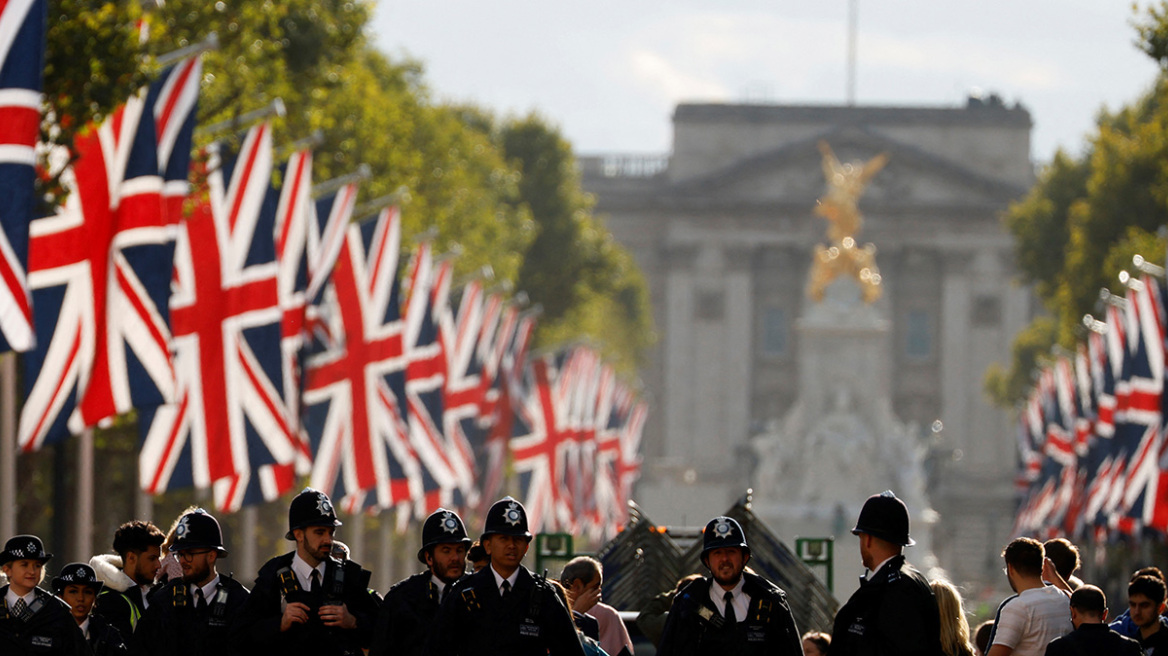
(954, 625)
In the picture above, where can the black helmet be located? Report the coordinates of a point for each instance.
(885, 517)
(506, 517)
(77, 574)
(310, 508)
(442, 527)
(198, 530)
(24, 547)
(723, 532)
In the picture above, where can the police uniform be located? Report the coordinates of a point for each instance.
(531, 620)
(894, 611)
(409, 607)
(101, 636)
(277, 585)
(47, 625)
(178, 621)
(695, 625)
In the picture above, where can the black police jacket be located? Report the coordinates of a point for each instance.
(407, 613)
(172, 626)
(893, 614)
(694, 625)
(51, 629)
(104, 639)
(259, 623)
(476, 621)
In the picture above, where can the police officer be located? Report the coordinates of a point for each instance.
(307, 601)
(33, 621)
(893, 611)
(408, 611)
(78, 586)
(732, 611)
(504, 609)
(193, 613)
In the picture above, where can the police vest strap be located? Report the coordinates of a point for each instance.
(180, 596)
(337, 588)
(468, 598)
(537, 595)
(288, 584)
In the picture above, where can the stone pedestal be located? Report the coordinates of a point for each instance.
(841, 441)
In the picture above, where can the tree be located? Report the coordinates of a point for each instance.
(1086, 217)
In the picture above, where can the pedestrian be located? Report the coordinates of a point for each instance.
(894, 611)
(651, 620)
(954, 625)
(306, 601)
(816, 643)
(1091, 635)
(477, 556)
(1145, 603)
(169, 567)
(1065, 556)
(732, 611)
(981, 637)
(583, 578)
(1038, 613)
(1123, 624)
(33, 621)
(78, 586)
(504, 609)
(128, 574)
(408, 610)
(193, 614)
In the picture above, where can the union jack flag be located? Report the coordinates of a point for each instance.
(22, 52)
(1141, 501)
(228, 418)
(355, 387)
(540, 455)
(101, 267)
(462, 394)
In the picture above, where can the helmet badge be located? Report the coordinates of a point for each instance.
(449, 523)
(323, 506)
(722, 529)
(183, 527)
(512, 514)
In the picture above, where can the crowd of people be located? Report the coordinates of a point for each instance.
(163, 594)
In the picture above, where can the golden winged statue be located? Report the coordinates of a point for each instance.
(845, 182)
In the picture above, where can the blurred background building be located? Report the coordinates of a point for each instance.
(724, 228)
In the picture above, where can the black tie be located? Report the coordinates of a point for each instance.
(729, 598)
(200, 600)
(442, 597)
(315, 589)
(506, 587)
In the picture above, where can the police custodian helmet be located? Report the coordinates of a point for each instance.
(506, 517)
(723, 532)
(885, 517)
(198, 530)
(310, 508)
(442, 527)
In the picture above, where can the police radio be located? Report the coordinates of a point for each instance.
(335, 596)
(289, 586)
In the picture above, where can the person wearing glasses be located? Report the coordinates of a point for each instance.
(194, 613)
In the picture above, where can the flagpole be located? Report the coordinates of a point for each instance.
(385, 553)
(248, 554)
(8, 506)
(82, 541)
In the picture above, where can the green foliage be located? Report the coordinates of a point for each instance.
(1031, 349)
(1086, 217)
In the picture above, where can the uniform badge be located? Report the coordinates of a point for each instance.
(323, 506)
(449, 523)
(512, 515)
(722, 529)
(31, 548)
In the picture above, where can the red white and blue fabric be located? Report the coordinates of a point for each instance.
(22, 53)
(100, 268)
(228, 427)
(293, 213)
(540, 457)
(354, 392)
(425, 380)
(1141, 500)
(462, 394)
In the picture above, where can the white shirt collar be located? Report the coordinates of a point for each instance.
(304, 571)
(740, 599)
(11, 597)
(499, 578)
(84, 626)
(439, 584)
(209, 589)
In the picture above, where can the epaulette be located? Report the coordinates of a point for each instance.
(468, 597)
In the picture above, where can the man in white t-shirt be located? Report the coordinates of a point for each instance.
(1038, 613)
